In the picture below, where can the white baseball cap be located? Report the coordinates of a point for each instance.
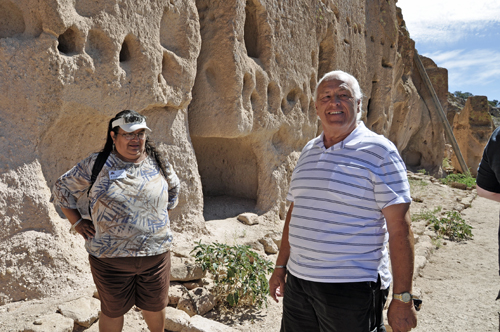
(129, 126)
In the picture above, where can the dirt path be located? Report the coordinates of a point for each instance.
(460, 282)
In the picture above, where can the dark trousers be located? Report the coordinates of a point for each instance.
(332, 307)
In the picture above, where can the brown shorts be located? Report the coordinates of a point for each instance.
(127, 281)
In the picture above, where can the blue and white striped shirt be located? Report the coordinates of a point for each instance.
(337, 231)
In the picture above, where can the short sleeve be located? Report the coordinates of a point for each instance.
(391, 181)
(73, 184)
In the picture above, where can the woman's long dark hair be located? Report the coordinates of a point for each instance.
(133, 116)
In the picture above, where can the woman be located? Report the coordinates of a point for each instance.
(128, 236)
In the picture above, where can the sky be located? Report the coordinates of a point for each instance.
(462, 36)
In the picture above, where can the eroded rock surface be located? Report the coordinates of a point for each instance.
(228, 88)
(472, 127)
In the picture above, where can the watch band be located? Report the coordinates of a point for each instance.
(405, 297)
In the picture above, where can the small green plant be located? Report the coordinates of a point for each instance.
(466, 179)
(422, 171)
(446, 163)
(427, 215)
(453, 226)
(240, 274)
(417, 184)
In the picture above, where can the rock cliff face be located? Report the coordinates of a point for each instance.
(228, 90)
(472, 127)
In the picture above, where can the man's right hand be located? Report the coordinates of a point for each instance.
(86, 229)
(277, 283)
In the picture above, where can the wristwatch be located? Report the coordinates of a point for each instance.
(403, 297)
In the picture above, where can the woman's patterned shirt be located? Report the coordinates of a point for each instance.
(129, 204)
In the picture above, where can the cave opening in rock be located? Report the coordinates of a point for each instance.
(229, 176)
(326, 56)
(67, 42)
(251, 30)
(125, 52)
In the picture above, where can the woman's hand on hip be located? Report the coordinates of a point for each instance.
(86, 229)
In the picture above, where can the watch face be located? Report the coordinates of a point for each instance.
(406, 297)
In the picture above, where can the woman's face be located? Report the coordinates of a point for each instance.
(130, 146)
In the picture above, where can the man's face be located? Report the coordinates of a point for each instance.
(336, 107)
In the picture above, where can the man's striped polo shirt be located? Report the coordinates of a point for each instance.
(337, 230)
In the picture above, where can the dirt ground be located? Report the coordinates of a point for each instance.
(458, 282)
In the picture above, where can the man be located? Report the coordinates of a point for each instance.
(350, 197)
(488, 173)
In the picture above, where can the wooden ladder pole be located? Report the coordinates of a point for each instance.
(441, 114)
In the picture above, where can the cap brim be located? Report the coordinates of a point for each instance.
(130, 127)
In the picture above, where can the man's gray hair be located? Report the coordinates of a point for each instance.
(347, 78)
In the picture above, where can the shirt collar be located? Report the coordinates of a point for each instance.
(350, 139)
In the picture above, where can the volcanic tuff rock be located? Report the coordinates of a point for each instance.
(472, 128)
(228, 90)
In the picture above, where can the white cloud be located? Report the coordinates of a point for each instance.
(479, 67)
(439, 11)
(448, 21)
(462, 36)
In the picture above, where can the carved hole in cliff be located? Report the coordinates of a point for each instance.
(326, 57)
(372, 38)
(355, 28)
(248, 86)
(173, 36)
(336, 11)
(251, 31)
(291, 97)
(284, 107)
(11, 20)
(125, 52)
(171, 70)
(412, 158)
(67, 42)
(273, 97)
(368, 107)
(255, 100)
(228, 171)
(386, 64)
(346, 41)
(348, 21)
(99, 46)
(289, 102)
(382, 42)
